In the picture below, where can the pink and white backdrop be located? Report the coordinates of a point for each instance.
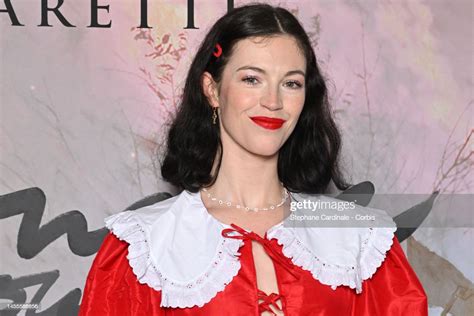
(83, 111)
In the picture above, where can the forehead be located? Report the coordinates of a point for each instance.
(273, 53)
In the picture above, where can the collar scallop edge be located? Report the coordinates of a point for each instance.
(374, 248)
(223, 268)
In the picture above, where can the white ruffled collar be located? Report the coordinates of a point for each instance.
(165, 237)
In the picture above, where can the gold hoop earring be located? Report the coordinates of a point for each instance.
(214, 115)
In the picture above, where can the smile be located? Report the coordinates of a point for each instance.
(268, 122)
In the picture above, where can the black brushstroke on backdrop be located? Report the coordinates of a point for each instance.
(32, 239)
(14, 290)
(407, 222)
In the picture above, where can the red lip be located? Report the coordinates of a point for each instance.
(268, 122)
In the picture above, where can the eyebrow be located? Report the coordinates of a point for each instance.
(291, 72)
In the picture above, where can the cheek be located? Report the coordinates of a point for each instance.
(240, 95)
(296, 106)
(237, 102)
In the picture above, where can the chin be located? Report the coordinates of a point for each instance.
(262, 145)
(264, 150)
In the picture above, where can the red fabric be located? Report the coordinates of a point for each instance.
(112, 289)
(267, 301)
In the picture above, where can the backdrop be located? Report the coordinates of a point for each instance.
(85, 93)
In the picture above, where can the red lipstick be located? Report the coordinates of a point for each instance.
(268, 122)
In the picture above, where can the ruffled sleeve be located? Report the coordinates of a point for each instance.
(393, 290)
(112, 288)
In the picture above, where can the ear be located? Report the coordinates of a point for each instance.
(209, 87)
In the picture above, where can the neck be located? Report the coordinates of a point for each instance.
(248, 179)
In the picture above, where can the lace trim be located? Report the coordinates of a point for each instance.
(373, 251)
(223, 268)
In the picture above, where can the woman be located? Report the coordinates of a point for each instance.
(253, 134)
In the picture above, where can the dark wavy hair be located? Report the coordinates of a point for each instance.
(307, 161)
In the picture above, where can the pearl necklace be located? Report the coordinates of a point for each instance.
(246, 208)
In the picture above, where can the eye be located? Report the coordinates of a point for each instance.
(249, 79)
(296, 84)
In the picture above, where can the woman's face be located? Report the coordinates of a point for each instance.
(262, 94)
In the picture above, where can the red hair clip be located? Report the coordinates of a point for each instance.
(219, 50)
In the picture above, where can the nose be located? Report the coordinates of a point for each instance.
(271, 99)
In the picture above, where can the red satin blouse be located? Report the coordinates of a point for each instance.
(113, 289)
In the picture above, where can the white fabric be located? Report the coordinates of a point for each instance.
(176, 246)
(337, 255)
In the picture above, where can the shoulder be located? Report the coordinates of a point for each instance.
(131, 230)
(340, 244)
(145, 216)
(111, 286)
(164, 238)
